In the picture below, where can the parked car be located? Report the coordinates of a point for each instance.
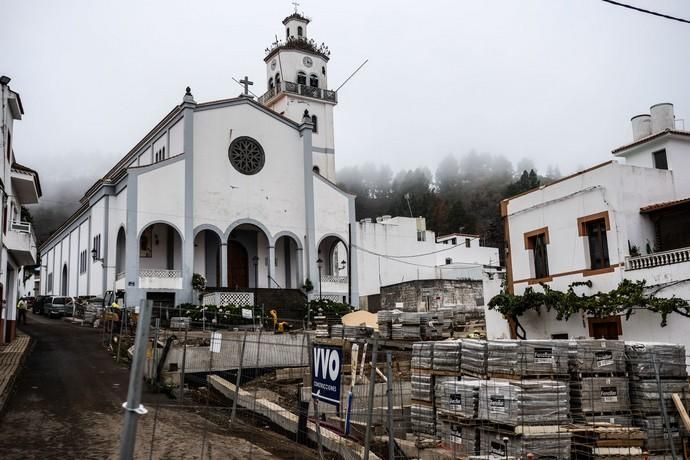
(40, 304)
(58, 306)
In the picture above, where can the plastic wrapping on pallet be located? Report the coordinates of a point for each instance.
(439, 381)
(423, 419)
(500, 445)
(460, 438)
(422, 355)
(458, 398)
(641, 357)
(422, 387)
(385, 320)
(657, 436)
(601, 394)
(644, 394)
(447, 355)
(524, 402)
(591, 356)
(473, 357)
(527, 357)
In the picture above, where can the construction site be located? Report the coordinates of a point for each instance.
(423, 385)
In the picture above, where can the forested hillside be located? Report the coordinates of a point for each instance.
(463, 194)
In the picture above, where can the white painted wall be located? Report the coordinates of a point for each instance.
(160, 196)
(398, 237)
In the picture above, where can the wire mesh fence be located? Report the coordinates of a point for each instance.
(450, 398)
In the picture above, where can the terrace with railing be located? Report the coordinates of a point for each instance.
(289, 87)
(657, 259)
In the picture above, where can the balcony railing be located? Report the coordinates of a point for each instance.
(334, 284)
(229, 298)
(19, 226)
(21, 242)
(156, 278)
(303, 90)
(657, 259)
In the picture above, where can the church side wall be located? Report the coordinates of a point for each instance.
(331, 211)
(117, 219)
(160, 197)
(84, 244)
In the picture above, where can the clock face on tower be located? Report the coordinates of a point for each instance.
(307, 61)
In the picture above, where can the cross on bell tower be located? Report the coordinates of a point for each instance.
(296, 5)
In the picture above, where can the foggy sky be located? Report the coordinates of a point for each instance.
(553, 80)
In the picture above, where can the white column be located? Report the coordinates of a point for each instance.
(271, 266)
(223, 264)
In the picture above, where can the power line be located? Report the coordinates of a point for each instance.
(642, 10)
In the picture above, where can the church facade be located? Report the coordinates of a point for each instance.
(240, 191)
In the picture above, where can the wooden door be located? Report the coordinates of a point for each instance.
(238, 265)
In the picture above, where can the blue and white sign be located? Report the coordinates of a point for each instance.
(326, 371)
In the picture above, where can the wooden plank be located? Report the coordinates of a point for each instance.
(619, 443)
(681, 410)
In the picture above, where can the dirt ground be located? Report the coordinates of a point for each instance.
(67, 405)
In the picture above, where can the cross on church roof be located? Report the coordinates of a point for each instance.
(246, 84)
(296, 5)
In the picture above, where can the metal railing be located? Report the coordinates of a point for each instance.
(657, 259)
(228, 298)
(297, 88)
(159, 273)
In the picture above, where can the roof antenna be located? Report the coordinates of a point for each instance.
(352, 75)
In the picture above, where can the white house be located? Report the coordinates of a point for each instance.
(238, 190)
(394, 250)
(626, 218)
(19, 186)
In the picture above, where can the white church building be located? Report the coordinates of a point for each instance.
(240, 191)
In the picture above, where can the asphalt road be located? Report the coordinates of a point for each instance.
(66, 404)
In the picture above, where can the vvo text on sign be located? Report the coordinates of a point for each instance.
(325, 378)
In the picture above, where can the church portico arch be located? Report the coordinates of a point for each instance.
(248, 257)
(208, 247)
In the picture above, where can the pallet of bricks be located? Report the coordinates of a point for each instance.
(524, 405)
(432, 364)
(657, 371)
(600, 402)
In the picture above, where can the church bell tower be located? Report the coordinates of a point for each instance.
(297, 80)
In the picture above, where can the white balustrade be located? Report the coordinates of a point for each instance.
(156, 278)
(239, 298)
(657, 259)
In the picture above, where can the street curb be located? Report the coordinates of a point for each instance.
(4, 397)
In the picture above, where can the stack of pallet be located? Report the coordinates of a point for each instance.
(473, 362)
(606, 441)
(544, 442)
(524, 402)
(599, 383)
(422, 413)
(527, 358)
(385, 320)
(447, 356)
(648, 395)
(457, 407)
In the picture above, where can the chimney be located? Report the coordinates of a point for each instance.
(662, 117)
(641, 126)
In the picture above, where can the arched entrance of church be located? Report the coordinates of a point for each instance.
(207, 250)
(238, 265)
(333, 273)
(247, 257)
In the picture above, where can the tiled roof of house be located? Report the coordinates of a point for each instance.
(663, 205)
(676, 132)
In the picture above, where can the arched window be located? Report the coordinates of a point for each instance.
(315, 122)
(313, 81)
(287, 33)
(278, 80)
(301, 78)
(270, 83)
(299, 31)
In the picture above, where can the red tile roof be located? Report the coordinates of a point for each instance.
(663, 205)
(651, 137)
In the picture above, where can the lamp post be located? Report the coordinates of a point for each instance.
(319, 264)
(255, 259)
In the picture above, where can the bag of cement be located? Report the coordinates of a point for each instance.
(473, 357)
(598, 356)
(602, 394)
(460, 439)
(501, 445)
(422, 388)
(458, 398)
(423, 419)
(527, 357)
(641, 357)
(644, 394)
(524, 402)
(446, 355)
(657, 436)
(422, 355)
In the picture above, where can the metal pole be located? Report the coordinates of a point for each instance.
(389, 391)
(318, 426)
(184, 359)
(237, 381)
(662, 403)
(119, 340)
(133, 407)
(370, 404)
